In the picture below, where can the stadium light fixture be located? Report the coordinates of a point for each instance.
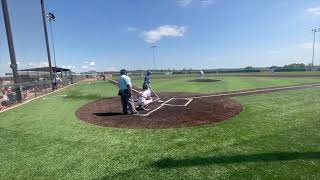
(47, 41)
(51, 17)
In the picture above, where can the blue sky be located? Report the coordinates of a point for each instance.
(114, 34)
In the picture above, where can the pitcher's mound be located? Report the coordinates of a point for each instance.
(204, 80)
(174, 112)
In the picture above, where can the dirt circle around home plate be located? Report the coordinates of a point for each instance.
(204, 80)
(175, 110)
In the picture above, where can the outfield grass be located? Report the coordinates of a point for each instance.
(226, 83)
(277, 136)
(259, 74)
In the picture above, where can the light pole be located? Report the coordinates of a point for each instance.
(319, 41)
(314, 42)
(154, 56)
(47, 42)
(51, 17)
(12, 53)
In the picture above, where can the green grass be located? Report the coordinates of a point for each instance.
(226, 83)
(266, 74)
(277, 136)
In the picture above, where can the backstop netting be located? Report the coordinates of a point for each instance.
(31, 54)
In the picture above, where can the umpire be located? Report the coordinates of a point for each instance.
(125, 91)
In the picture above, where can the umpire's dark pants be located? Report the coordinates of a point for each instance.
(127, 101)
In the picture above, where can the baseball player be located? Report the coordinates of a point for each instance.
(144, 98)
(201, 74)
(125, 91)
(147, 79)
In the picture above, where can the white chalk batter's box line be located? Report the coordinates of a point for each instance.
(186, 104)
(166, 104)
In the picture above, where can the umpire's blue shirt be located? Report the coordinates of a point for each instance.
(124, 82)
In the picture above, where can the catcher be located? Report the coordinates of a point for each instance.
(144, 98)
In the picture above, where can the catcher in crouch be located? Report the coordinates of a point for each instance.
(144, 97)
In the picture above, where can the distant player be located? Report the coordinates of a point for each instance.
(144, 98)
(147, 79)
(202, 76)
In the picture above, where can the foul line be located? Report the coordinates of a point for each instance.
(255, 91)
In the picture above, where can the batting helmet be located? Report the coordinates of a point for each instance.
(123, 71)
(149, 72)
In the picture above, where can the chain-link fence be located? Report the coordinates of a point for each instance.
(34, 84)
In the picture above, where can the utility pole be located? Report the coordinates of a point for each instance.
(47, 42)
(314, 42)
(51, 17)
(154, 56)
(12, 53)
(319, 42)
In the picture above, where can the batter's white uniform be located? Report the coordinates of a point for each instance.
(144, 98)
(201, 74)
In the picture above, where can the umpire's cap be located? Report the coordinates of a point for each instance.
(123, 71)
(149, 72)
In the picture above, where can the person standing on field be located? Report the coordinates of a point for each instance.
(147, 79)
(202, 76)
(125, 91)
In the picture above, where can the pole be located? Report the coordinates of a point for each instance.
(14, 66)
(314, 42)
(154, 56)
(54, 52)
(53, 49)
(47, 42)
(319, 41)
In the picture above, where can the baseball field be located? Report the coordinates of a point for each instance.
(230, 128)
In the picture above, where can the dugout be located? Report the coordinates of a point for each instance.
(43, 74)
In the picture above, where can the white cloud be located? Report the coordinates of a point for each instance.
(273, 51)
(38, 64)
(155, 35)
(69, 66)
(314, 11)
(85, 62)
(132, 29)
(92, 63)
(84, 67)
(184, 3)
